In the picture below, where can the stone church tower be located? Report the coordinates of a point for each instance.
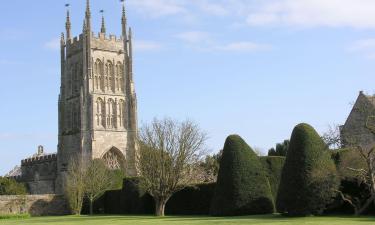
(97, 101)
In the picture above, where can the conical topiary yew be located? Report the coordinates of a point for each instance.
(309, 179)
(242, 187)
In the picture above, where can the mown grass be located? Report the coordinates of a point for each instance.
(193, 220)
(14, 216)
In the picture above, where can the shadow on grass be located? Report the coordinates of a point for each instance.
(266, 218)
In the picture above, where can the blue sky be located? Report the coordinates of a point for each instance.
(252, 67)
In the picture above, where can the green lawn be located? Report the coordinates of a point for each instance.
(180, 220)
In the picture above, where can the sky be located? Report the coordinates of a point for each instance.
(255, 68)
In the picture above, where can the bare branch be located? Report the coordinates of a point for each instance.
(169, 155)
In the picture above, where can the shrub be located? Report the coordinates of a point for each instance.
(242, 187)
(348, 158)
(9, 186)
(273, 166)
(309, 178)
(351, 184)
(191, 200)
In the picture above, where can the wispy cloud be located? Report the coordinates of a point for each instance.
(194, 36)
(13, 34)
(141, 45)
(20, 136)
(295, 13)
(315, 13)
(365, 47)
(53, 44)
(9, 62)
(157, 8)
(244, 46)
(363, 44)
(212, 7)
(204, 41)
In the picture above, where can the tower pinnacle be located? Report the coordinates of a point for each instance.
(68, 25)
(62, 39)
(102, 30)
(123, 23)
(88, 15)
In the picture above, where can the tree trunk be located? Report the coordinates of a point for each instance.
(91, 207)
(366, 205)
(160, 207)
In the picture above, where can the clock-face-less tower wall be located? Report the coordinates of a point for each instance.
(97, 101)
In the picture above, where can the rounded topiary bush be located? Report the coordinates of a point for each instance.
(309, 179)
(242, 187)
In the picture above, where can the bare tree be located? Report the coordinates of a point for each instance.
(75, 185)
(332, 137)
(170, 152)
(89, 180)
(97, 181)
(362, 164)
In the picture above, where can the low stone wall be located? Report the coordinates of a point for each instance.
(35, 205)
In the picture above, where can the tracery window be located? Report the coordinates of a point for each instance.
(122, 114)
(120, 77)
(110, 76)
(100, 112)
(111, 116)
(114, 159)
(99, 75)
(98, 68)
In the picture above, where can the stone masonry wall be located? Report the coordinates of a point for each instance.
(35, 205)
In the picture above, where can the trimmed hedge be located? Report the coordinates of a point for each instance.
(242, 187)
(309, 178)
(132, 200)
(129, 200)
(191, 200)
(273, 166)
(135, 200)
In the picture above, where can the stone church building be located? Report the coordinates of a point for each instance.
(359, 128)
(97, 107)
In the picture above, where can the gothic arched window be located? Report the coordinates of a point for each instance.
(98, 73)
(111, 115)
(122, 114)
(100, 112)
(114, 159)
(101, 75)
(110, 76)
(120, 76)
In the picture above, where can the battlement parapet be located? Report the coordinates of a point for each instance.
(39, 159)
(74, 44)
(101, 41)
(112, 44)
(109, 38)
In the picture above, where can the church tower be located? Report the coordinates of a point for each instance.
(97, 101)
